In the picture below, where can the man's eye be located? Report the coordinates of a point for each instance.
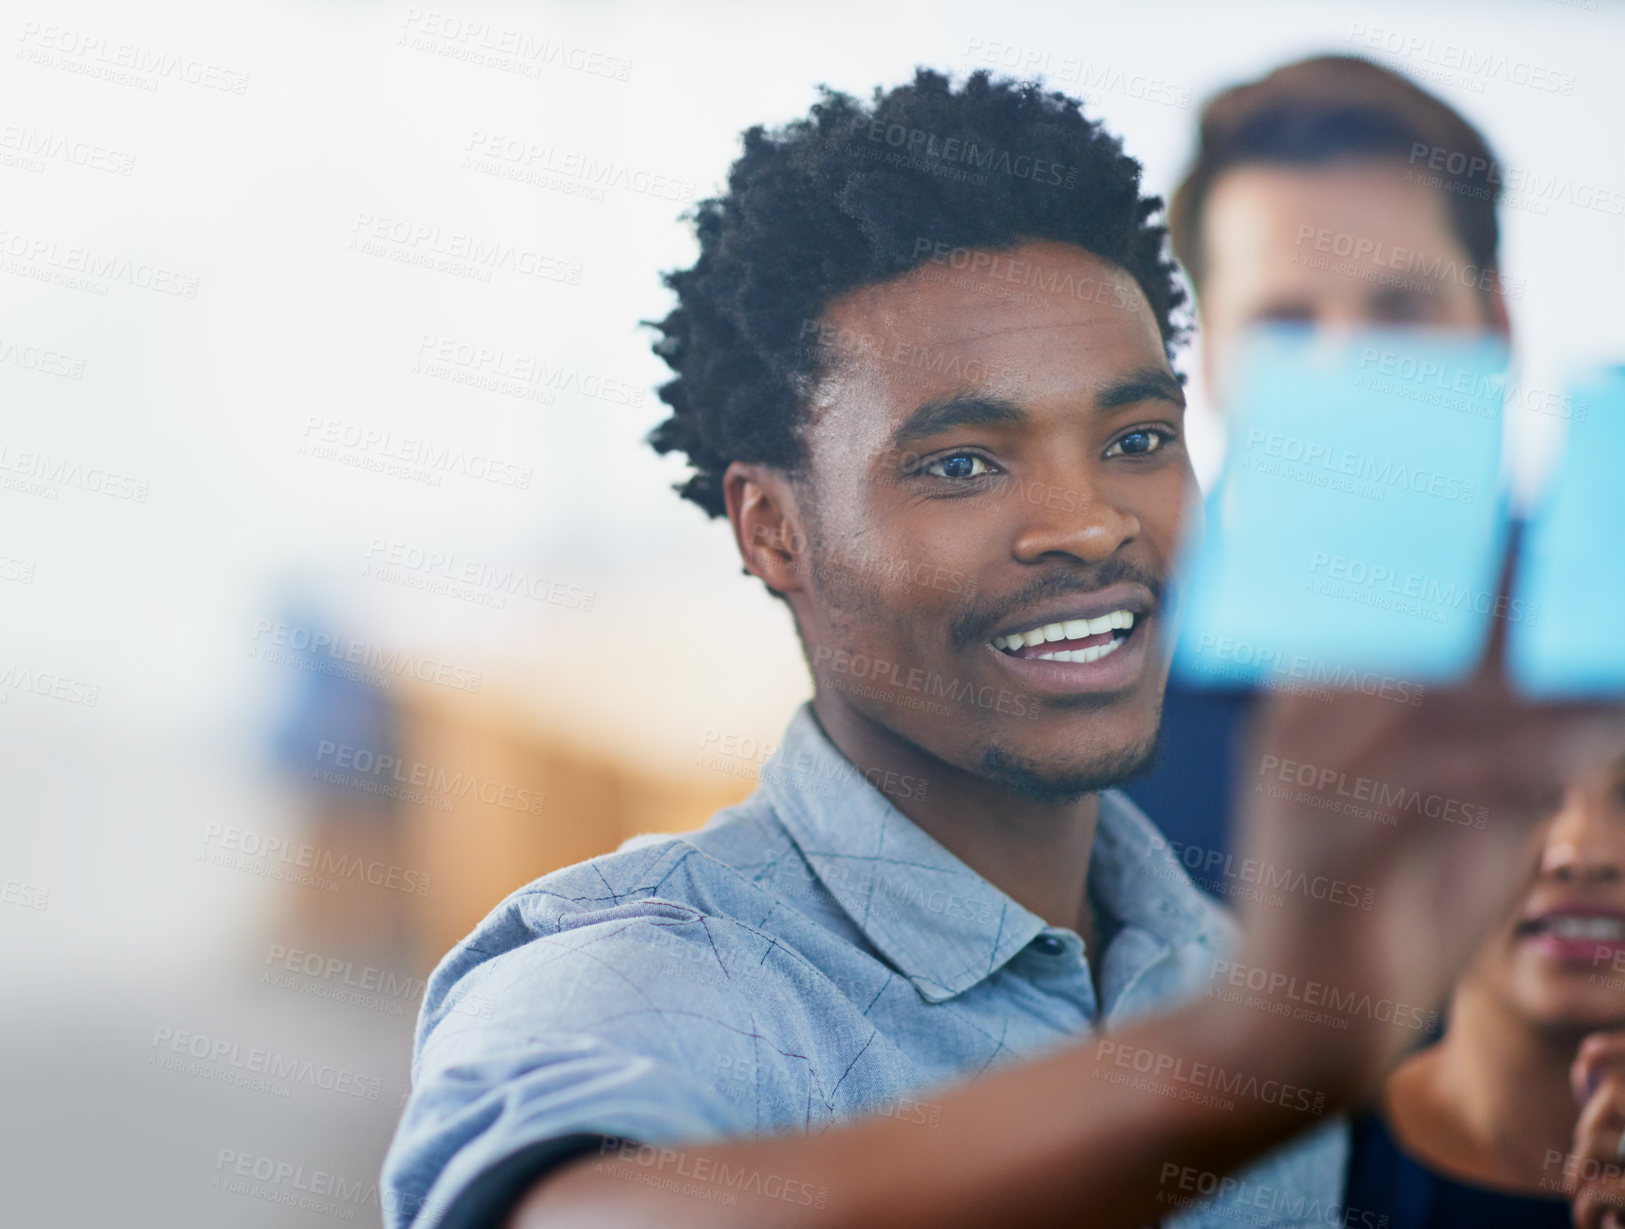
(959, 465)
(1401, 308)
(1138, 443)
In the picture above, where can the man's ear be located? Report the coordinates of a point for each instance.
(766, 524)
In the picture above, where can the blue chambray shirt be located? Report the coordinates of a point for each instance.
(809, 956)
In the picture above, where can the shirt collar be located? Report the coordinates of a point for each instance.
(934, 918)
(1134, 873)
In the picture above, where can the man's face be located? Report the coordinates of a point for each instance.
(1351, 244)
(996, 450)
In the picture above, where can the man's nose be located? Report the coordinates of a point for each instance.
(1070, 518)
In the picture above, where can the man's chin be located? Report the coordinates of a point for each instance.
(1058, 784)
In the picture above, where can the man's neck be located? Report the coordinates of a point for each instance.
(1491, 1101)
(1036, 853)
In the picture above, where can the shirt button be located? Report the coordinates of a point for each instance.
(1049, 945)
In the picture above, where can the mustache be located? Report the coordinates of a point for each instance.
(977, 622)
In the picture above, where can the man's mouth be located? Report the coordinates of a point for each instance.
(1074, 640)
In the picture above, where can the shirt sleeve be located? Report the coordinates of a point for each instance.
(607, 1028)
(1301, 1182)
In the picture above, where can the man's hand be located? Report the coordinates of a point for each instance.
(1430, 810)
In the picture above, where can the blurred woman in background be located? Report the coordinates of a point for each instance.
(1520, 1107)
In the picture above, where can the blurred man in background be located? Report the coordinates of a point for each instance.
(1336, 194)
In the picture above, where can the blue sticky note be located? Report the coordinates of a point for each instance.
(1567, 635)
(1357, 529)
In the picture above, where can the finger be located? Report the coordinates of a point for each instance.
(1590, 1206)
(1596, 1205)
(1595, 1151)
(1597, 1053)
(1492, 666)
(1600, 1132)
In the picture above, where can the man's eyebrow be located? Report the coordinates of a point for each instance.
(1396, 296)
(960, 410)
(979, 410)
(1147, 384)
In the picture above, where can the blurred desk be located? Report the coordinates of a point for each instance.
(502, 801)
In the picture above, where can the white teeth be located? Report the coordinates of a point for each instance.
(1091, 653)
(1587, 927)
(1071, 629)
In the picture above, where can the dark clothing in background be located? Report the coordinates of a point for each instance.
(1190, 787)
(1386, 1182)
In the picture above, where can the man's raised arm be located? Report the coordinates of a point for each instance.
(1089, 1136)
(1106, 1132)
